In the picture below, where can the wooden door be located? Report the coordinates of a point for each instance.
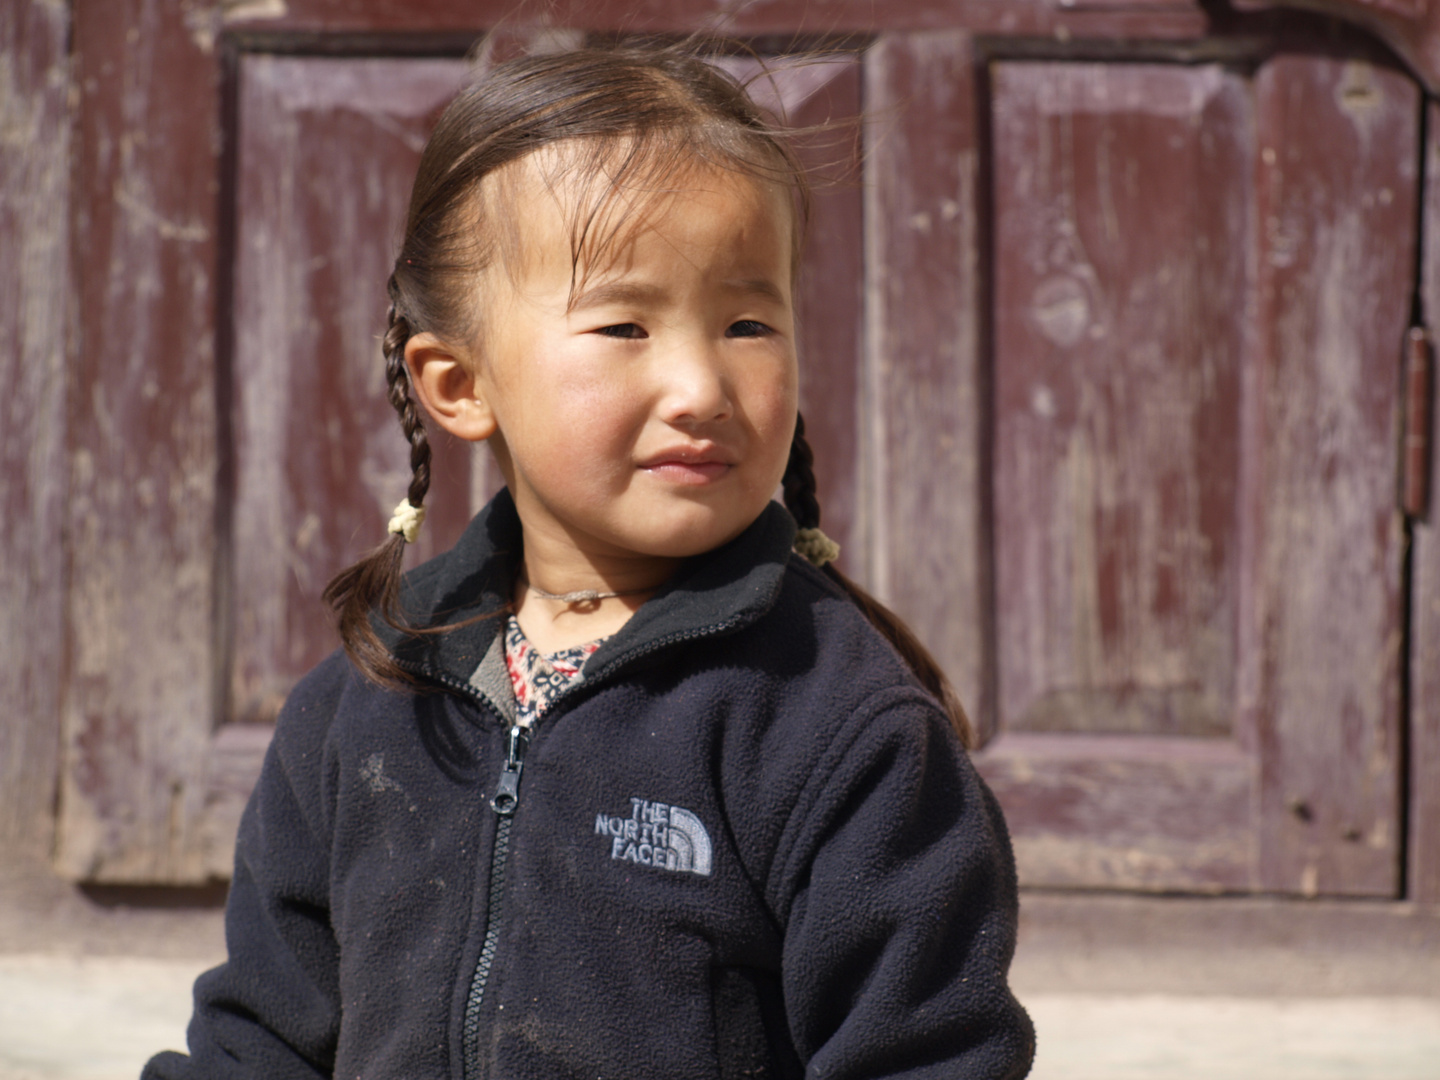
(1101, 363)
(283, 451)
(326, 149)
(1140, 403)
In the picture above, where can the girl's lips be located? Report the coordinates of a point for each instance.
(679, 471)
(701, 463)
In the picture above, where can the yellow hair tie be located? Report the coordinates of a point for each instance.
(406, 520)
(815, 546)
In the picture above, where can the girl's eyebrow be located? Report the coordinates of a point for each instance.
(635, 292)
(617, 292)
(763, 288)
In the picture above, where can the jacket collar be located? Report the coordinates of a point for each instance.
(712, 594)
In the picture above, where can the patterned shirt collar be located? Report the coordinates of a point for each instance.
(536, 678)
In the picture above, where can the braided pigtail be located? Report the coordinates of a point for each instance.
(801, 500)
(373, 583)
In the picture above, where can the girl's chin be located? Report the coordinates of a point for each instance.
(683, 538)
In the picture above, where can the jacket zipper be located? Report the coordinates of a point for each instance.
(505, 803)
(506, 799)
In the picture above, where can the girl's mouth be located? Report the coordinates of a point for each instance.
(677, 471)
(689, 464)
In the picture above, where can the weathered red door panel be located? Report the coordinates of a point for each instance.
(327, 151)
(138, 688)
(925, 418)
(36, 310)
(1123, 224)
(1194, 390)
(1338, 197)
(1122, 229)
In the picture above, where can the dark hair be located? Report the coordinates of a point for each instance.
(637, 115)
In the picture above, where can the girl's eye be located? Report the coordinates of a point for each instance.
(622, 330)
(747, 328)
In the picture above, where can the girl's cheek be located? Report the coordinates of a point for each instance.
(782, 403)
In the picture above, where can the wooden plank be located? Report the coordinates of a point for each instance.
(34, 312)
(1122, 221)
(1338, 171)
(1147, 19)
(1423, 866)
(320, 460)
(139, 689)
(1132, 812)
(923, 429)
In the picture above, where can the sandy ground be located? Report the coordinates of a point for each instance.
(99, 1018)
(92, 982)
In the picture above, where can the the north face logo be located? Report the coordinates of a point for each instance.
(657, 834)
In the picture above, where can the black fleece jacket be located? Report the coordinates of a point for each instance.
(746, 844)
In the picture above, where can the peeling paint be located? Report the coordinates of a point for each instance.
(1061, 308)
(1356, 92)
(233, 11)
(1381, 835)
(147, 217)
(203, 23)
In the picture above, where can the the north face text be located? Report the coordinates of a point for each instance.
(657, 834)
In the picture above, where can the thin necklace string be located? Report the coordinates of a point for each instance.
(580, 596)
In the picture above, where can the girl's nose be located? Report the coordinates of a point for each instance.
(695, 387)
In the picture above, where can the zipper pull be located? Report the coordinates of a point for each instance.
(507, 794)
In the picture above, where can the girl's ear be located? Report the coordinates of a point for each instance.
(448, 389)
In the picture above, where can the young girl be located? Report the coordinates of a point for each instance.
(623, 786)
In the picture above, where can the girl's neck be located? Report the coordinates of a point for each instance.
(553, 620)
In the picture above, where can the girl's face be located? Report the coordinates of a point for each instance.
(644, 406)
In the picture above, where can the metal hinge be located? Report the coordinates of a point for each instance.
(1415, 462)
